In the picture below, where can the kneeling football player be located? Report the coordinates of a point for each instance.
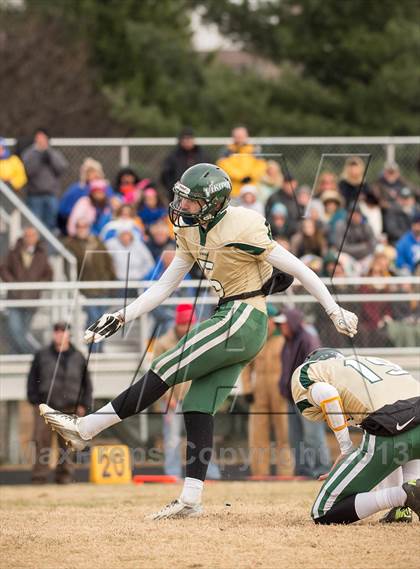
(234, 248)
(382, 399)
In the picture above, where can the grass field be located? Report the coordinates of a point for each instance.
(266, 525)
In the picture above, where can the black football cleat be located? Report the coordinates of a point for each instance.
(412, 489)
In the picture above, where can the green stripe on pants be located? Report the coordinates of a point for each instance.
(337, 475)
(216, 353)
(380, 460)
(172, 371)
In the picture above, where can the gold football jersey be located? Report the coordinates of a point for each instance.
(365, 384)
(231, 252)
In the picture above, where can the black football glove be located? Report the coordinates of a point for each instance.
(106, 326)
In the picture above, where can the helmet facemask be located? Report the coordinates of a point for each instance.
(180, 217)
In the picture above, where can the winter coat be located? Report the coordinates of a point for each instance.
(408, 251)
(141, 259)
(94, 263)
(113, 228)
(295, 349)
(84, 209)
(267, 365)
(176, 163)
(157, 249)
(360, 240)
(242, 166)
(293, 214)
(396, 222)
(73, 193)
(13, 270)
(150, 215)
(351, 192)
(70, 380)
(44, 169)
(12, 171)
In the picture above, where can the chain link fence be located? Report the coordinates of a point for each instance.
(302, 157)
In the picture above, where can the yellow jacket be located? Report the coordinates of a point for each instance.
(241, 163)
(13, 172)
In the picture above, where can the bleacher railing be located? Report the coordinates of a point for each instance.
(64, 300)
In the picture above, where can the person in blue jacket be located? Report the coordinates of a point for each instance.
(90, 170)
(408, 246)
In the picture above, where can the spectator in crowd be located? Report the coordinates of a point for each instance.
(308, 204)
(271, 181)
(397, 217)
(279, 222)
(95, 208)
(373, 315)
(248, 199)
(94, 263)
(163, 315)
(58, 376)
(129, 192)
(314, 262)
(307, 442)
(90, 171)
(268, 408)
(369, 206)
(151, 207)
(27, 261)
(352, 185)
(286, 196)
(332, 265)
(358, 240)
(171, 402)
(185, 154)
(404, 327)
(125, 218)
(239, 160)
(315, 211)
(310, 240)
(389, 184)
(408, 246)
(333, 212)
(125, 184)
(12, 170)
(131, 258)
(159, 237)
(44, 166)
(327, 182)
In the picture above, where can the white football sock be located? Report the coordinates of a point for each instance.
(368, 503)
(94, 423)
(393, 479)
(192, 490)
(411, 470)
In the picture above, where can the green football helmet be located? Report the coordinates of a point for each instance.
(324, 354)
(206, 184)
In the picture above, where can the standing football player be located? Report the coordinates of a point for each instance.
(235, 250)
(382, 399)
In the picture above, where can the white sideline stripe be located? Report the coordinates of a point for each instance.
(218, 340)
(197, 338)
(351, 457)
(353, 473)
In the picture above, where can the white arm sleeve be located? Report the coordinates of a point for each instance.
(327, 397)
(285, 261)
(159, 291)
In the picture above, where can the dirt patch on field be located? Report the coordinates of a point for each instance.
(266, 525)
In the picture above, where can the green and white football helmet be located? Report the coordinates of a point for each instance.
(324, 354)
(206, 184)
